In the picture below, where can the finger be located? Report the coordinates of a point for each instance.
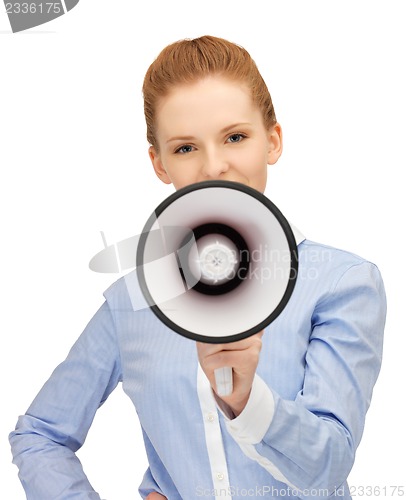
(244, 344)
(207, 355)
(238, 360)
(240, 345)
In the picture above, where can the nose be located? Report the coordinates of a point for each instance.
(214, 165)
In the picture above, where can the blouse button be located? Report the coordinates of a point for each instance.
(220, 476)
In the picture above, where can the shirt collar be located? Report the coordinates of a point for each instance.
(299, 236)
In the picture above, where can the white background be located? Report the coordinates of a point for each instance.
(74, 162)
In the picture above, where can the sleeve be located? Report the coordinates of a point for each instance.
(311, 442)
(56, 424)
(149, 485)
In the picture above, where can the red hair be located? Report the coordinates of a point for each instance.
(188, 61)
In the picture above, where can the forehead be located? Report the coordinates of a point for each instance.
(213, 102)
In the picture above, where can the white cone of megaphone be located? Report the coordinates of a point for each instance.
(228, 270)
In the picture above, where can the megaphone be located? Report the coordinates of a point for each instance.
(226, 272)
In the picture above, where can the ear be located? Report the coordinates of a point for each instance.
(275, 144)
(158, 166)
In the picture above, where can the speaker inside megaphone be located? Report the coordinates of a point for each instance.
(217, 261)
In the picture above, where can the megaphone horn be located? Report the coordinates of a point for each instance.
(236, 260)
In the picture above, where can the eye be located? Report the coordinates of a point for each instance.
(186, 148)
(236, 138)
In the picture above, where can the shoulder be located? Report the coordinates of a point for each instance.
(309, 249)
(125, 294)
(332, 269)
(327, 257)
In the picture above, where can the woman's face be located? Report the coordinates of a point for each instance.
(212, 130)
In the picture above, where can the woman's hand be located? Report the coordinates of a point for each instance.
(242, 357)
(155, 496)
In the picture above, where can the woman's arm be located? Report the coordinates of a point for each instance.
(56, 424)
(310, 442)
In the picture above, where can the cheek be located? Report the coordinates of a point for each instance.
(180, 173)
(252, 161)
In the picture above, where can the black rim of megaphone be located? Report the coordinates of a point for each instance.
(294, 263)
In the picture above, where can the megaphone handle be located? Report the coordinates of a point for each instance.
(224, 380)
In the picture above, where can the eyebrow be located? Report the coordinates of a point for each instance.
(222, 131)
(234, 126)
(181, 138)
